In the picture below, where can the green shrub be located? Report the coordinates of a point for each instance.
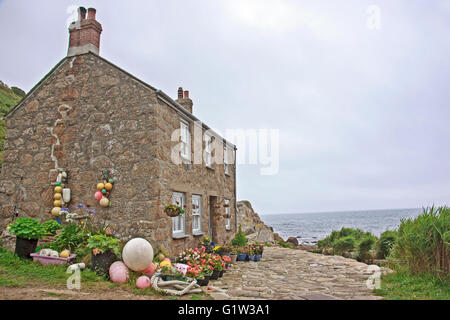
(364, 247)
(423, 243)
(27, 228)
(104, 243)
(239, 239)
(285, 244)
(18, 92)
(386, 243)
(51, 226)
(344, 244)
(71, 237)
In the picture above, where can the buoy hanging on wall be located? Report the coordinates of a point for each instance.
(104, 189)
(61, 195)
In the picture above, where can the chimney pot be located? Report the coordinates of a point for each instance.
(84, 36)
(91, 13)
(81, 13)
(180, 93)
(186, 94)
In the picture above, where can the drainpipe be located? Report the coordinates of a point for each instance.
(235, 197)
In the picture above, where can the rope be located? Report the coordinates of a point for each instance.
(174, 287)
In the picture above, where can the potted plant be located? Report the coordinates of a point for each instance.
(174, 210)
(241, 254)
(28, 231)
(217, 264)
(258, 249)
(104, 251)
(251, 253)
(227, 261)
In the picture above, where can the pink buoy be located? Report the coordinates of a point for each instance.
(98, 195)
(150, 269)
(143, 282)
(118, 272)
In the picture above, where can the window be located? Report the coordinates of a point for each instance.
(208, 150)
(179, 222)
(228, 214)
(196, 214)
(185, 141)
(226, 162)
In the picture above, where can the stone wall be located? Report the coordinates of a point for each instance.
(88, 116)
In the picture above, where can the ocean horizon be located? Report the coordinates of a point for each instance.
(311, 227)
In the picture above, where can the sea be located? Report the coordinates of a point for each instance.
(308, 228)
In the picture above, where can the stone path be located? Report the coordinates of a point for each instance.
(295, 274)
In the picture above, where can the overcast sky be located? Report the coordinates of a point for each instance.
(363, 112)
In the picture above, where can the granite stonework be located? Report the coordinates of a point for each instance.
(88, 115)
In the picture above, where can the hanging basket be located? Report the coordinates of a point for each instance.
(172, 212)
(226, 215)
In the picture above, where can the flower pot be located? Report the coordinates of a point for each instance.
(215, 275)
(166, 277)
(241, 257)
(257, 257)
(203, 282)
(102, 261)
(251, 257)
(25, 247)
(173, 213)
(233, 258)
(221, 273)
(52, 260)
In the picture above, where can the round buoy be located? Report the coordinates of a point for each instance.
(137, 254)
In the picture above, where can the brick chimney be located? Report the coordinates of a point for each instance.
(84, 34)
(184, 100)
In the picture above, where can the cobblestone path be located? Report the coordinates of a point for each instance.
(295, 274)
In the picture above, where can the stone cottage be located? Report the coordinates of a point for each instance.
(86, 116)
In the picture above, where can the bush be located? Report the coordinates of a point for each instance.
(239, 240)
(71, 237)
(386, 243)
(51, 226)
(344, 244)
(18, 92)
(364, 247)
(104, 243)
(423, 243)
(27, 228)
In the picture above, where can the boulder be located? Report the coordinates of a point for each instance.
(252, 225)
(293, 241)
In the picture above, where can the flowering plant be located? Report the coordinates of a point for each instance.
(217, 263)
(174, 210)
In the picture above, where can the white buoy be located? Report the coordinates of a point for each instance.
(137, 254)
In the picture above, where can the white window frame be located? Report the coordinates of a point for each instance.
(226, 163)
(227, 210)
(185, 136)
(197, 213)
(208, 150)
(179, 222)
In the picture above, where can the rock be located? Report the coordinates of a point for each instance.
(252, 225)
(292, 240)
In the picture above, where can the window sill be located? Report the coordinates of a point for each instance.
(210, 168)
(227, 174)
(198, 234)
(179, 236)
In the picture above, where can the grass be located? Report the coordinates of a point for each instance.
(402, 285)
(8, 99)
(19, 273)
(15, 272)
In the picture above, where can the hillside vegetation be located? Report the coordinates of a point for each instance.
(9, 97)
